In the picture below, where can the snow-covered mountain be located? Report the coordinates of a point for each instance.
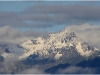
(54, 46)
(50, 53)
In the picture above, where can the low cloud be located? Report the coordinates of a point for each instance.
(87, 32)
(77, 70)
(1, 50)
(8, 64)
(33, 71)
(12, 35)
(14, 65)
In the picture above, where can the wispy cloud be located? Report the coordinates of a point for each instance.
(48, 15)
(77, 70)
(33, 71)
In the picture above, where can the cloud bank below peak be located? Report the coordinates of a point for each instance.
(77, 70)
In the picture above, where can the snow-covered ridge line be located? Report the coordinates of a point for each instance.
(55, 41)
(52, 44)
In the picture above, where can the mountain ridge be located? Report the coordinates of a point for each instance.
(50, 51)
(51, 46)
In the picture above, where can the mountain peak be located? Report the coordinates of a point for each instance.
(55, 46)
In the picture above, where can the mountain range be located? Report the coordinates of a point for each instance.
(52, 53)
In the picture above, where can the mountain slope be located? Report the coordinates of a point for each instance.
(54, 46)
(51, 51)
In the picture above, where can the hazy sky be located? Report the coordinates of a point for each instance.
(48, 15)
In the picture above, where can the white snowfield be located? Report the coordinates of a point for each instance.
(59, 40)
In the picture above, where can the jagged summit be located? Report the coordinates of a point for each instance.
(55, 46)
